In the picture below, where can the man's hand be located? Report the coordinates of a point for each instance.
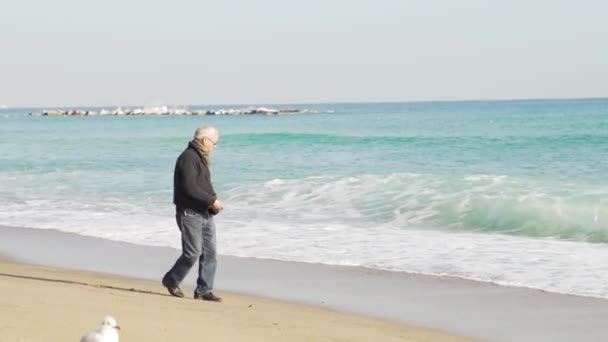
(217, 206)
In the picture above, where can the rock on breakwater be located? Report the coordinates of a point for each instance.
(168, 111)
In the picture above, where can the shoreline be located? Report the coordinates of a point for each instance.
(56, 304)
(456, 306)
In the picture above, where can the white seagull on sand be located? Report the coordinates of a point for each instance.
(107, 332)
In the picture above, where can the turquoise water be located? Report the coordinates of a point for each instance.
(435, 188)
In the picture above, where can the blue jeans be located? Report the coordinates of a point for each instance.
(198, 243)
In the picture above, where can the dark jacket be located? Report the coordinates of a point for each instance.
(192, 187)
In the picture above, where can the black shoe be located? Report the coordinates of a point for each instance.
(208, 296)
(174, 290)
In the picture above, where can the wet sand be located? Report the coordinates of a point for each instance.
(455, 306)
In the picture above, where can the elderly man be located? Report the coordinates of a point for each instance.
(196, 203)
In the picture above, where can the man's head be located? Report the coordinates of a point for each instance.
(208, 137)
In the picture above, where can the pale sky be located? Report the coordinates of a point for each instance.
(181, 52)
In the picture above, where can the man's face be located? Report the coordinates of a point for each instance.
(211, 143)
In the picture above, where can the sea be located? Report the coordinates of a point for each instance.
(508, 192)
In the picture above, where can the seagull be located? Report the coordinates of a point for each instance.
(107, 332)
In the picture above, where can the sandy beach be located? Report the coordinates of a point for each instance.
(48, 304)
(290, 301)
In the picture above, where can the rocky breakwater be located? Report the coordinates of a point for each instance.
(166, 111)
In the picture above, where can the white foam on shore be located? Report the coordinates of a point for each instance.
(553, 265)
(400, 222)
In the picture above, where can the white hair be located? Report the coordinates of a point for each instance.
(205, 132)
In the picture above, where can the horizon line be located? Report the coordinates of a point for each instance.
(523, 99)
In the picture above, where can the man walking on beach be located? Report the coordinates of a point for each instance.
(195, 203)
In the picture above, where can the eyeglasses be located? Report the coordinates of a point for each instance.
(213, 142)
